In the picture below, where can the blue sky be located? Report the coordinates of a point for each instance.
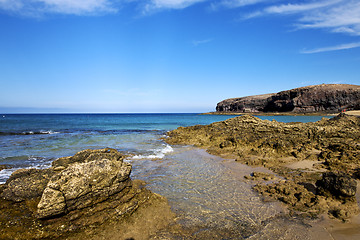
(169, 55)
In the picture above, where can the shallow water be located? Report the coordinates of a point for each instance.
(212, 199)
(35, 140)
(210, 196)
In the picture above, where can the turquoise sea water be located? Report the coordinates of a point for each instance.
(34, 140)
(208, 194)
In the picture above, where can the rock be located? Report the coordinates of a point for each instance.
(82, 185)
(2, 166)
(290, 193)
(337, 184)
(332, 143)
(261, 176)
(317, 98)
(79, 196)
(87, 156)
(25, 184)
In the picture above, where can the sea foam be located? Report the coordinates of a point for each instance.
(157, 154)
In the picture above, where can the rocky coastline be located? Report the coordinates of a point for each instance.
(79, 196)
(323, 99)
(327, 155)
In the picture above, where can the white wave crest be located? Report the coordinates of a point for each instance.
(48, 132)
(6, 173)
(158, 154)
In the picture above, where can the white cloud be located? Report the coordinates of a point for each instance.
(40, 7)
(216, 5)
(154, 5)
(343, 17)
(239, 3)
(199, 42)
(295, 8)
(333, 48)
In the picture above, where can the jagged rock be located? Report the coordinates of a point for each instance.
(82, 185)
(2, 166)
(332, 143)
(290, 193)
(317, 98)
(24, 184)
(87, 156)
(260, 142)
(337, 184)
(78, 194)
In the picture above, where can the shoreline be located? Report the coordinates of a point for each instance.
(81, 197)
(272, 113)
(274, 145)
(331, 114)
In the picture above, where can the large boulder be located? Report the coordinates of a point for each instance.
(25, 184)
(78, 194)
(82, 185)
(337, 184)
(88, 155)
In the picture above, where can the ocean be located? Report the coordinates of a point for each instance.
(208, 194)
(35, 140)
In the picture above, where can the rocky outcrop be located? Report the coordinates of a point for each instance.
(82, 185)
(310, 99)
(331, 144)
(25, 184)
(338, 185)
(253, 141)
(77, 193)
(338, 201)
(2, 166)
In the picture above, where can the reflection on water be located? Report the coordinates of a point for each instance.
(213, 201)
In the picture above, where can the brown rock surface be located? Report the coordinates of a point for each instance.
(310, 99)
(79, 194)
(25, 184)
(332, 144)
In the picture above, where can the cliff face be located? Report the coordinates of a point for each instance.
(325, 97)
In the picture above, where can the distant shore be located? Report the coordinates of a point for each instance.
(353, 113)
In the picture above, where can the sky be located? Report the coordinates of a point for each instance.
(128, 56)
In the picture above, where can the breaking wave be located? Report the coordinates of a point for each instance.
(157, 154)
(28, 132)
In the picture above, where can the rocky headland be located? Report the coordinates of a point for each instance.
(315, 165)
(77, 197)
(325, 98)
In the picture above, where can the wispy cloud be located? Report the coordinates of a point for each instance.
(234, 3)
(196, 43)
(155, 5)
(41, 7)
(296, 8)
(333, 48)
(341, 16)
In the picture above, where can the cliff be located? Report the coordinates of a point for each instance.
(318, 98)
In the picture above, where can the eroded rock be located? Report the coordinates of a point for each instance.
(82, 185)
(338, 185)
(87, 156)
(24, 184)
(79, 193)
(330, 144)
